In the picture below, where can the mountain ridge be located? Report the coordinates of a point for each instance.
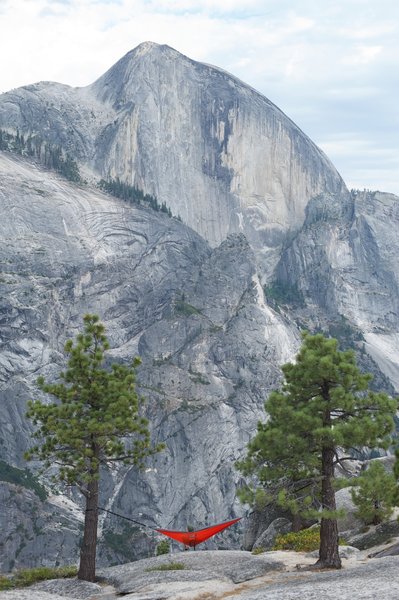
(128, 135)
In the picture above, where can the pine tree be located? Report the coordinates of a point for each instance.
(396, 475)
(324, 405)
(375, 494)
(95, 423)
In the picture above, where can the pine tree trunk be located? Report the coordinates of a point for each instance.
(297, 523)
(87, 567)
(328, 553)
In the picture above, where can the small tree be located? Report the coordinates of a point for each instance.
(375, 494)
(396, 475)
(324, 405)
(95, 422)
(163, 547)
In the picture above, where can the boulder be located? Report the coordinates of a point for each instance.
(344, 501)
(277, 527)
(375, 536)
(392, 550)
(386, 461)
(257, 523)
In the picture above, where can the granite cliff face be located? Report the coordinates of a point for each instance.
(209, 343)
(344, 262)
(218, 153)
(271, 242)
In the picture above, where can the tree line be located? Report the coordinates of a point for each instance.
(51, 156)
(133, 194)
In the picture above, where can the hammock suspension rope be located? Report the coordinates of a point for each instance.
(188, 538)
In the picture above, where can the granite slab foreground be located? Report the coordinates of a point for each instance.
(235, 575)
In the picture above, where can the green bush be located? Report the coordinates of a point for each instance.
(258, 551)
(163, 548)
(122, 544)
(278, 293)
(5, 583)
(300, 541)
(347, 334)
(26, 577)
(305, 540)
(169, 566)
(22, 477)
(185, 309)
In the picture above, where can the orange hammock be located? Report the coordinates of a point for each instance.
(193, 538)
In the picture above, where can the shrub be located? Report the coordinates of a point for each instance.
(5, 583)
(26, 577)
(305, 540)
(22, 477)
(279, 292)
(163, 548)
(122, 544)
(169, 566)
(185, 309)
(300, 541)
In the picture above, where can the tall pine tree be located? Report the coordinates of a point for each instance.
(324, 406)
(95, 422)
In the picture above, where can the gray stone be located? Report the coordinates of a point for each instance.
(35, 533)
(68, 588)
(343, 261)
(241, 575)
(364, 582)
(199, 323)
(268, 537)
(392, 550)
(344, 501)
(344, 552)
(387, 462)
(223, 565)
(379, 534)
(258, 521)
(191, 157)
(29, 594)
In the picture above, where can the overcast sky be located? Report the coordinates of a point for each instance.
(331, 65)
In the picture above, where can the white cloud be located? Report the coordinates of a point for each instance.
(362, 55)
(213, 6)
(368, 32)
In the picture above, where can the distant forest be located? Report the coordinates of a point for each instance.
(132, 194)
(54, 157)
(50, 155)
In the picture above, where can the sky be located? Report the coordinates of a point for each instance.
(331, 66)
